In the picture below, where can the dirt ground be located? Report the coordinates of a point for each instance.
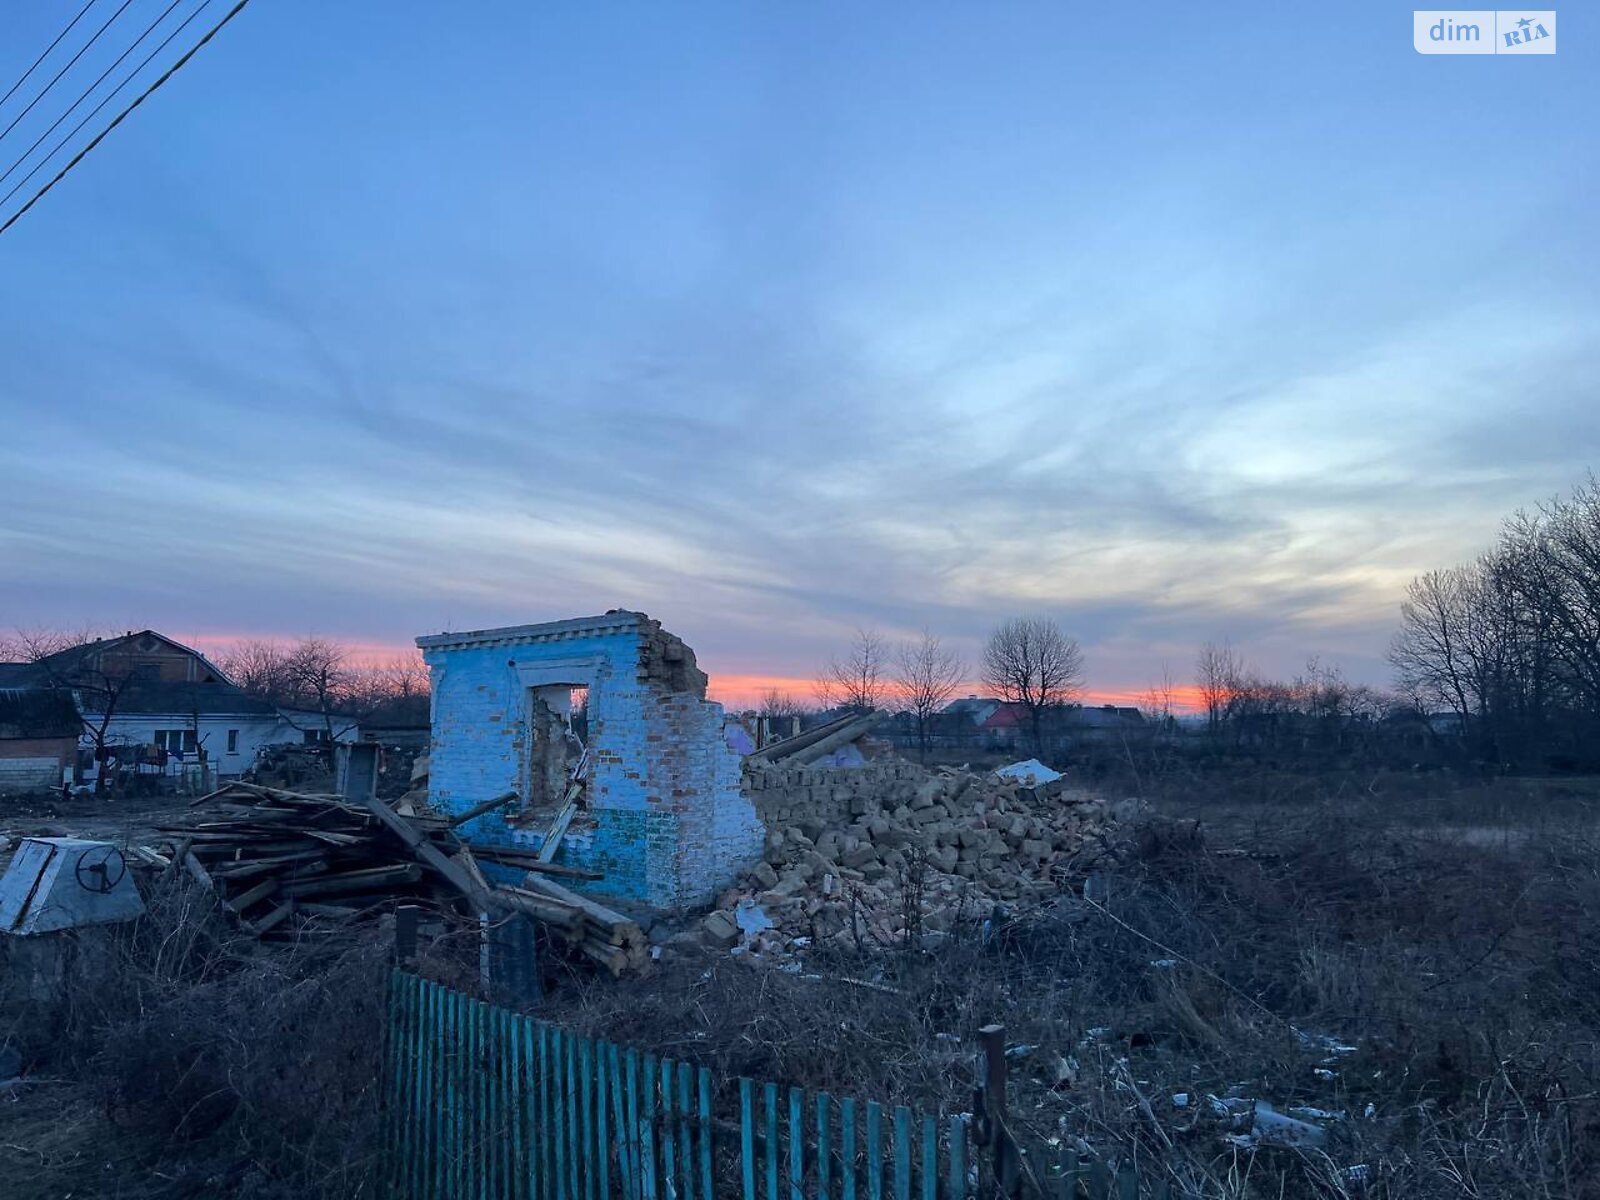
(125, 821)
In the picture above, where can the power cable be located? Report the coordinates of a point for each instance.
(121, 116)
(82, 50)
(105, 100)
(88, 91)
(46, 53)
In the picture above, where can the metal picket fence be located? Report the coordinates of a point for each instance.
(491, 1104)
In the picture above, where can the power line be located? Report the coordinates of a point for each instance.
(46, 53)
(82, 50)
(105, 100)
(90, 89)
(140, 99)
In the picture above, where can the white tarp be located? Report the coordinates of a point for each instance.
(1032, 771)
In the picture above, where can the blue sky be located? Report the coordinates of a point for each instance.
(1175, 324)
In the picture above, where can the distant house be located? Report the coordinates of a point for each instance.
(1006, 725)
(38, 732)
(1091, 725)
(976, 709)
(1064, 727)
(165, 708)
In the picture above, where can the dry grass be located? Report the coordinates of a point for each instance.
(178, 1058)
(1452, 935)
(1465, 973)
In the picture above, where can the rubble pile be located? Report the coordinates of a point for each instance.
(859, 857)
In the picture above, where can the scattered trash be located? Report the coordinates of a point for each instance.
(1180, 1099)
(1030, 771)
(1273, 1128)
(1306, 1113)
(1330, 1046)
(750, 918)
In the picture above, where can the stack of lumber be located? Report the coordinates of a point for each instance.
(287, 863)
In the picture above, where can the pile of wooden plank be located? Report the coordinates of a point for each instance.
(287, 863)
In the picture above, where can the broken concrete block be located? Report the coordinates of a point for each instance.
(720, 929)
(859, 857)
(764, 875)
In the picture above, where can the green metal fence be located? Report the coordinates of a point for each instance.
(492, 1104)
(489, 1104)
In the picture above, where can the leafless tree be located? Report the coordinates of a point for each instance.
(397, 688)
(1029, 661)
(1431, 652)
(66, 660)
(1218, 673)
(1159, 701)
(1569, 590)
(927, 674)
(259, 667)
(857, 680)
(775, 702)
(322, 680)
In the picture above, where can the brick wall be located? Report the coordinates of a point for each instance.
(665, 820)
(27, 764)
(834, 795)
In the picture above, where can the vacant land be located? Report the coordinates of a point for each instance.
(1410, 964)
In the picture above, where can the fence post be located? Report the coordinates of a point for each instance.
(1001, 1144)
(406, 920)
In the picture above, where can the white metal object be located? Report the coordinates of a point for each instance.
(63, 883)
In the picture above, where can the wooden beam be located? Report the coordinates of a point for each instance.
(477, 810)
(422, 848)
(861, 726)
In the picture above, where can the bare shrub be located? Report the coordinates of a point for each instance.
(1464, 975)
(207, 1057)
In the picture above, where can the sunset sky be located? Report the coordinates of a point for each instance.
(772, 320)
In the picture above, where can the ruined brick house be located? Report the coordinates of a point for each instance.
(602, 723)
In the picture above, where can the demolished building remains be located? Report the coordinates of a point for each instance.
(602, 727)
(622, 768)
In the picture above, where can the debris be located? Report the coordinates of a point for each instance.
(1273, 1128)
(288, 864)
(1030, 771)
(751, 919)
(890, 852)
(720, 929)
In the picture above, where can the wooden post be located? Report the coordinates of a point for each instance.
(1001, 1144)
(406, 919)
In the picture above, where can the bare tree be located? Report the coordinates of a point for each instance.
(259, 667)
(1159, 701)
(321, 680)
(775, 702)
(857, 680)
(1030, 662)
(927, 675)
(1218, 673)
(1570, 591)
(399, 688)
(68, 661)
